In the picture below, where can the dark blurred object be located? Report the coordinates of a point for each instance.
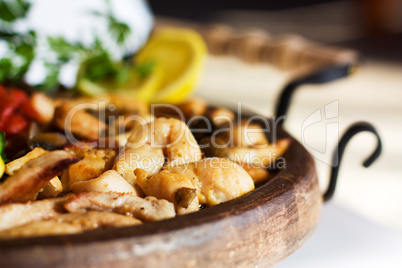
(381, 17)
(374, 27)
(202, 10)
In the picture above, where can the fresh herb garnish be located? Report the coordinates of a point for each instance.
(10, 11)
(2, 146)
(52, 76)
(145, 68)
(119, 30)
(96, 61)
(20, 47)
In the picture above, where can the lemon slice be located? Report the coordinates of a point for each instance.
(180, 54)
(2, 167)
(140, 88)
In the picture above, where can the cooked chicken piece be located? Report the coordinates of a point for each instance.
(86, 169)
(258, 157)
(94, 163)
(34, 175)
(53, 188)
(74, 119)
(83, 149)
(175, 188)
(129, 105)
(193, 107)
(244, 134)
(149, 159)
(16, 164)
(146, 209)
(221, 116)
(216, 179)
(109, 181)
(146, 146)
(124, 126)
(14, 214)
(70, 223)
(39, 228)
(96, 219)
(258, 174)
(171, 135)
(42, 107)
(184, 111)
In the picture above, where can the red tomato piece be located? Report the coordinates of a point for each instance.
(6, 110)
(19, 97)
(16, 124)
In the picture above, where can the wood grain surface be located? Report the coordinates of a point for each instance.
(258, 229)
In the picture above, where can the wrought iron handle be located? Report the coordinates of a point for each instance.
(338, 153)
(322, 76)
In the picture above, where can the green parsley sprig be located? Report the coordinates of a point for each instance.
(96, 61)
(20, 47)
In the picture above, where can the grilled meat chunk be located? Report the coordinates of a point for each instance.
(70, 223)
(146, 209)
(12, 215)
(34, 175)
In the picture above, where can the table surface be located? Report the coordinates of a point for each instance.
(362, 226)
(343, 239)
(369, 232)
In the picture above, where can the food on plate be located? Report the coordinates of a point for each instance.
(216, 179)
(70, 223)
(175, 188)
(158, 172)
(102, 155)
(16, 214)
(25, 184)
(146, 209)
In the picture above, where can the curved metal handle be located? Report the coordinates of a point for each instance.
(338, 153)
(322, 76)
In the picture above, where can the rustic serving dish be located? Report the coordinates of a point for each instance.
(260, 228)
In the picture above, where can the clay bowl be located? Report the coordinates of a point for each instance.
(261, 228)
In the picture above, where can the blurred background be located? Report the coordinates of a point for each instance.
(362, 225)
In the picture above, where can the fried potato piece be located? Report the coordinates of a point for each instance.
(14, 214)
(53, 188)
(34, 175)
(146, 209)
(18, 163)
(70, 223)
(175, 188)
(109, 181)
